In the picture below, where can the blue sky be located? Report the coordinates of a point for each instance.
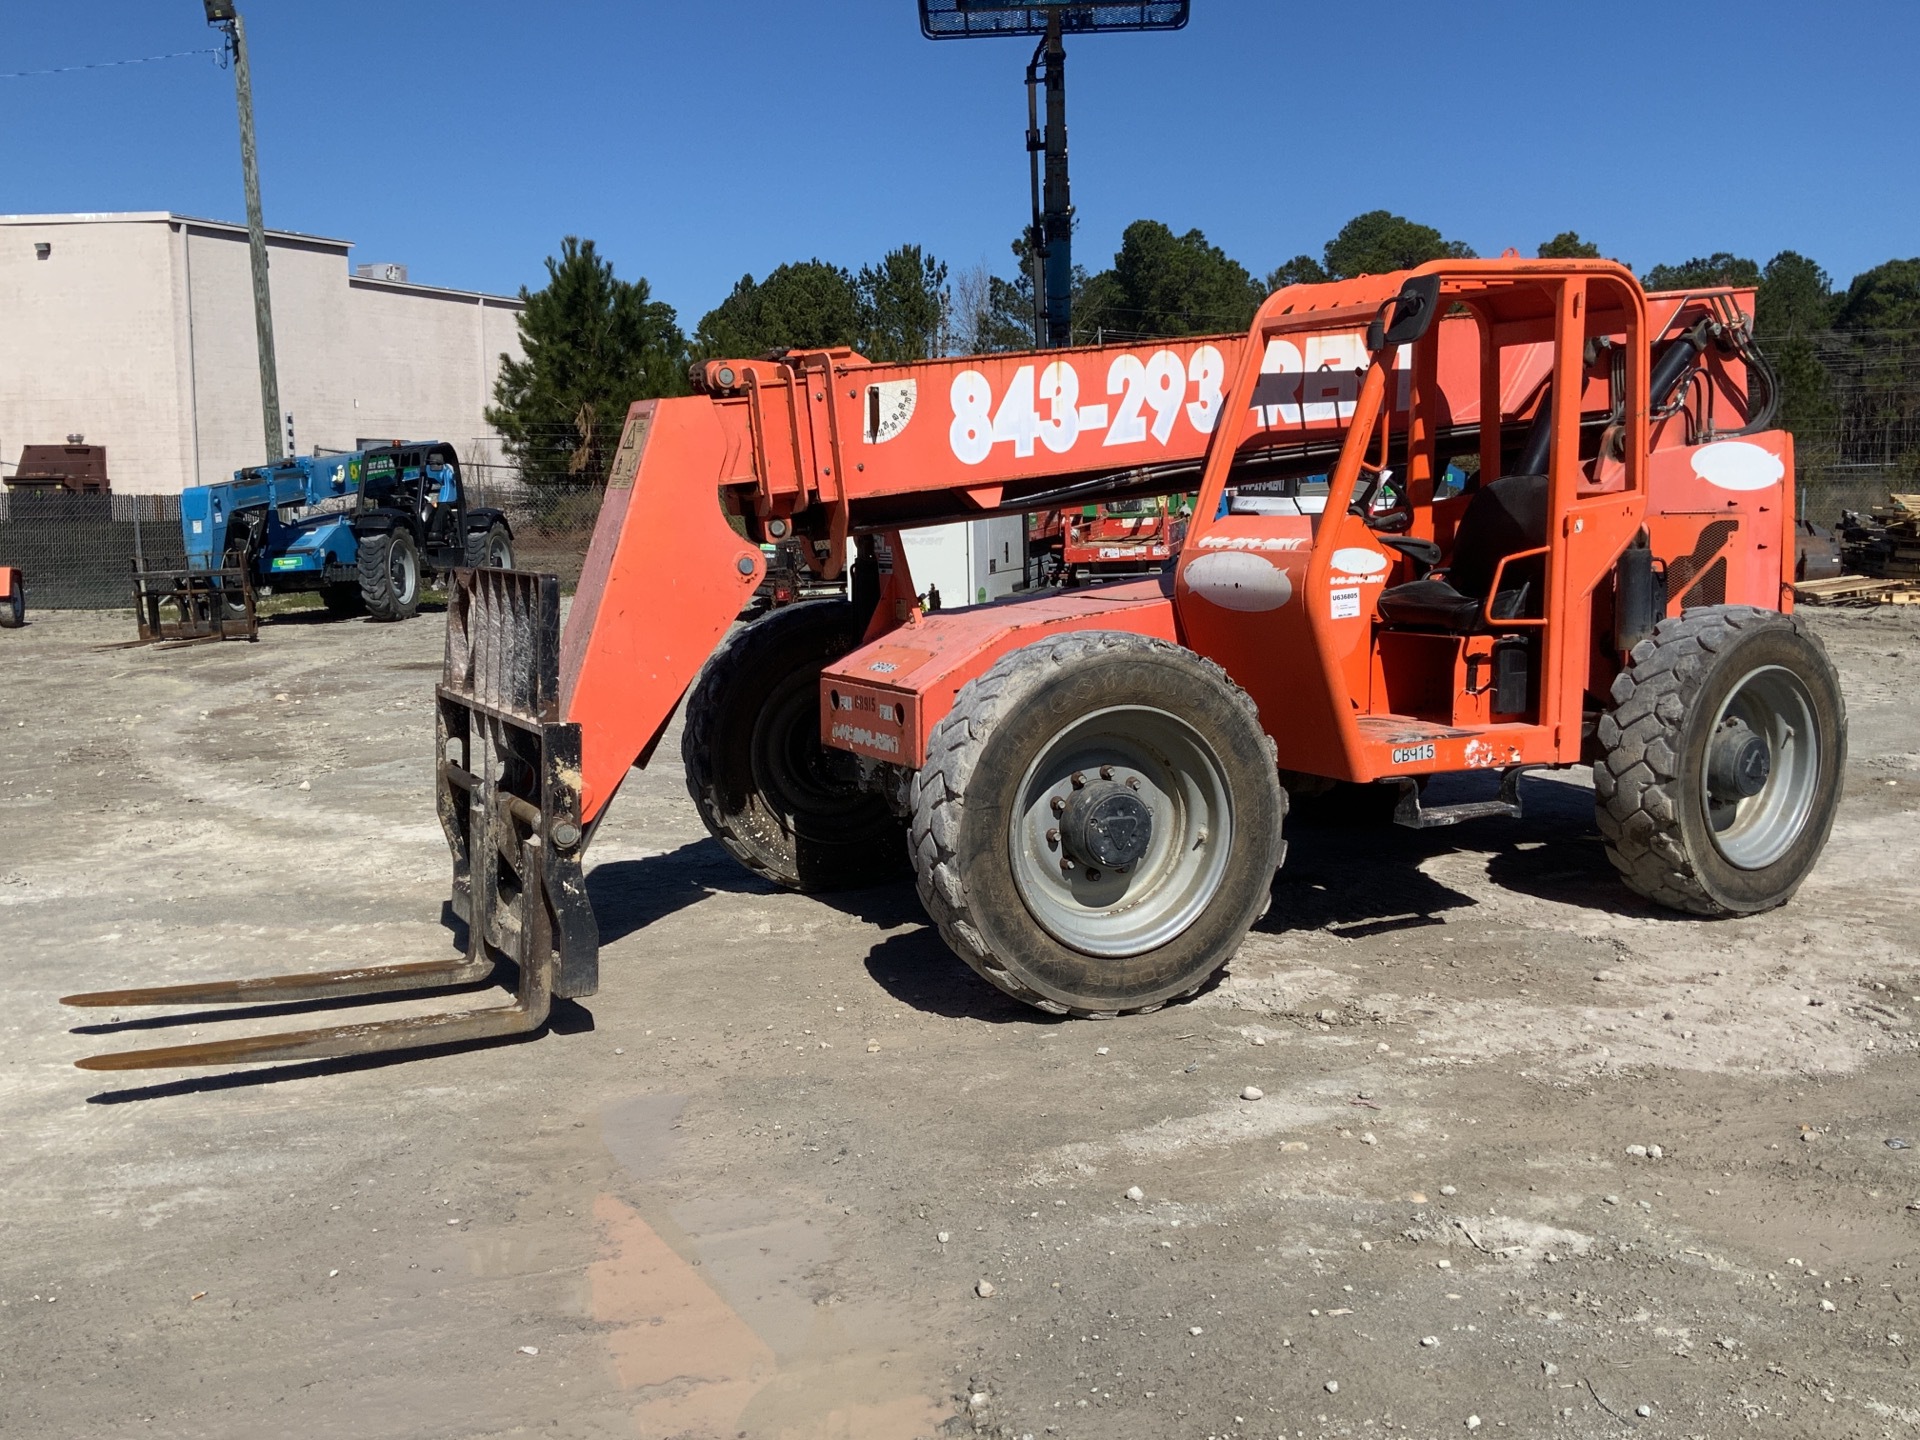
(699, 141)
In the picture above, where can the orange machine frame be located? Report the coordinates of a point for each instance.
(830, 448)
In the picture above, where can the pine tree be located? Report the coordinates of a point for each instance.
(593, 345)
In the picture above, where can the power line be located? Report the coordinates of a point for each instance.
(107, 64)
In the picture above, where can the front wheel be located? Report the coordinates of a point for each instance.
(492, 547)
(390, 574)
(1098, 823)
(13, 610)
(1724, 748)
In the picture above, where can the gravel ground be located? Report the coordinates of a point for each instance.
(795, 1172)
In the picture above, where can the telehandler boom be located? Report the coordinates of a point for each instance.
(1089, 787)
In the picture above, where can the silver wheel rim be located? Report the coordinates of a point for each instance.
(499, 553)
(405, 574)
(1755, 831)
(1117, 913)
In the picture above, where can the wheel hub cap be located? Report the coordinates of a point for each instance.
(1105, 823)
(1739, 763)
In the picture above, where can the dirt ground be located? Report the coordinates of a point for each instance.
(752, 1187)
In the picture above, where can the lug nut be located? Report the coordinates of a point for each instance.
(1133, 782)
(1092, 874)
(1067, 865)
(1058, 803)
(1079, 780)
(1106, 772)
(1053, 839)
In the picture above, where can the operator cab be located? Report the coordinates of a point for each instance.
(1397, 528)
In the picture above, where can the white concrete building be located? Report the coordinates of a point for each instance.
(136, 330)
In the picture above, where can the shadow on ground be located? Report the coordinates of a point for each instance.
(1363, 876)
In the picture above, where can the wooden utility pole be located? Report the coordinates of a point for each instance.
(225, 15)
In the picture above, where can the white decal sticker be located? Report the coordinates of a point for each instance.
(1412, 754)
(1235, 581)
(196, 527)
(889, 407)
(1738, 465)
(1042, 404)
(1346, 605)
(1357, 561)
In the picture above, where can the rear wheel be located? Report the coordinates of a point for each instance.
(1098, 823)
(782, 804)
(390, 574)
(492, 547)
(13, 610)
(1724, 753)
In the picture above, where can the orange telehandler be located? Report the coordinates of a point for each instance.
(1089, 786)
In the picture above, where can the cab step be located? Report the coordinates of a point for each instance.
(1415, 816)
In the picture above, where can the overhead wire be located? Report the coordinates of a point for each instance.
(214, 51)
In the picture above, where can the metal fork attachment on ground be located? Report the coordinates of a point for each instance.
(188, 607)
(504, 764)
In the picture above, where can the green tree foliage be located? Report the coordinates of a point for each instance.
(1568, 245)
(1703, 272)
(1379, 242)
(1885, 298)
(903, 306)
(1161, 284)
(593, 345)
(1794, 305)
(1300, 270)
(810, 305)
(1796, 297)
(1878, 365)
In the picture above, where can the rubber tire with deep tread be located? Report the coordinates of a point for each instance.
(965, 795)
(492, 547)
(13, 610)
(1649, 798)
(376, 574)
(754, 710)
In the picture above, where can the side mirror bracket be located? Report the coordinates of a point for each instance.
(1413, 311)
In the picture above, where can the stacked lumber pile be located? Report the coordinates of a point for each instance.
(1855, 591)
(1885, 542)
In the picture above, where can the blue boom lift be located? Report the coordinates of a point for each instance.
(364, 529)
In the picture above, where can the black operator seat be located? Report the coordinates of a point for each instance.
(1503, 518)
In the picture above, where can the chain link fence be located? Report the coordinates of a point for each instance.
(79, 552)
(1823, 494)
